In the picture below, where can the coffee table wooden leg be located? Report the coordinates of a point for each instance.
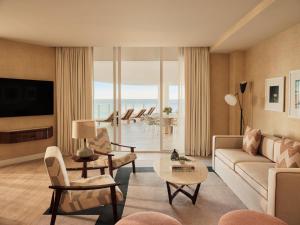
(169, 193)
(194, 199)
(171, 196)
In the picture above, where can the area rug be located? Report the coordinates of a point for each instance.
(145, 191)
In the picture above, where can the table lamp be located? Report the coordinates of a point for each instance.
(83, 129)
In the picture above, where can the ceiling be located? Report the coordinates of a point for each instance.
(144, 23)
(280, 15)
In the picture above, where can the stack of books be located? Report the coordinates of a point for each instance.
(183, 168)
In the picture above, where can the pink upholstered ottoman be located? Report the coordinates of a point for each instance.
(248, 217)
(148, 218)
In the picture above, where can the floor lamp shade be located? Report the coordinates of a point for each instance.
(82, 129)
(230, 99)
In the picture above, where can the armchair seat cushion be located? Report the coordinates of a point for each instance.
(233, 156)
(122, 158)
(119, 159)
(256, 174)
(86, 199)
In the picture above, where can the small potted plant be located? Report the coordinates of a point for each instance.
(167, 110)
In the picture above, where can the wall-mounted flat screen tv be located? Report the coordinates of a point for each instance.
(25, 97)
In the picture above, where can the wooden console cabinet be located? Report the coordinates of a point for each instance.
(16, 136)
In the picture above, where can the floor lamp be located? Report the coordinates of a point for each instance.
(233, 99)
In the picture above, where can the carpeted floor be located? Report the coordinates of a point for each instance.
(145, 191)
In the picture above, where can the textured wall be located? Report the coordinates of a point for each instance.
(236, 75)
(219, 72)
(19, 60)
(272, 58)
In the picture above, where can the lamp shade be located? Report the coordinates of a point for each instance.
(230, 99)
(84, 129)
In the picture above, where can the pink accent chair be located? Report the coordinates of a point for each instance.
(248, 217)
(148, 218)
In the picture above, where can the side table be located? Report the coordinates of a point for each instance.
(85, 161)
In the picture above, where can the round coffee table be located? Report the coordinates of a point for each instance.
(85, 161)
(180, 180)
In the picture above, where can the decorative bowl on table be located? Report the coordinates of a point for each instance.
(182, 160)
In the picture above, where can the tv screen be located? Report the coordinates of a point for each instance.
(25, 97)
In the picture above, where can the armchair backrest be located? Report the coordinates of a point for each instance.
(56, 167)
(101, 143)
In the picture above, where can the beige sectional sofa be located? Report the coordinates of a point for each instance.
(255, 180)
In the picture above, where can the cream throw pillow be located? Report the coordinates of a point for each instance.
(289, 154)
(251, 140)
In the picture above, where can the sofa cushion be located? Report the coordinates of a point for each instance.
(251, 140)
(256, 174)
(266, 147)
(232, 156)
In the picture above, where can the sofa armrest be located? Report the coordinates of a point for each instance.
(225, 141)
(284, 194)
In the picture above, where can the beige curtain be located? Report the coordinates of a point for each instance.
(74, 92)
(197, 101)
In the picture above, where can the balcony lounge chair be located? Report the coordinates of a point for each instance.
(113, 160)
(151, 110)
(127, 115)
(138, 116)
(109, 119)
(71, 196)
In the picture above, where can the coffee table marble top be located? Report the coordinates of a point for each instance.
(163, 168)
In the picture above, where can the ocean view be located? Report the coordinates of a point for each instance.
(104, 107)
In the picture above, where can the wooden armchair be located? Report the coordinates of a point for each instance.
(114, 160)
(70, 196)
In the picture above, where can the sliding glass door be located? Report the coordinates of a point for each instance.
(140, 82)
(172, 118)
(104, 88)
(142, 87)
